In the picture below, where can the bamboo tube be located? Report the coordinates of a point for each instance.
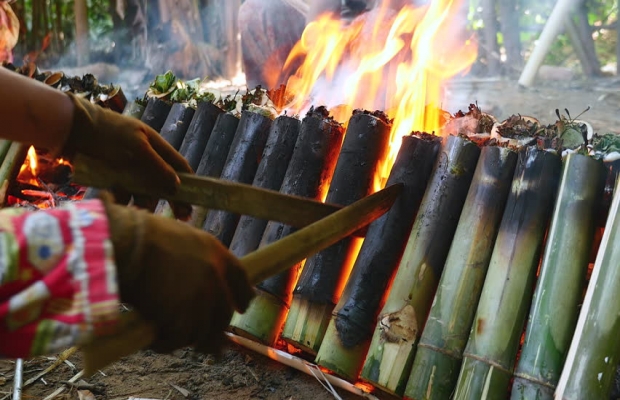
(176, 124)
(134, 109)
(318, 290)
(489, 356)
(155, 113)
(350, 329)
(270, 175)
(391, 352)
(592, 358)
(308, 175)
(439, 353)
(199, 132)
(214, 157)
(116, 100)
(560, 285)
(241, 164)
(5, 145)
(9, 169)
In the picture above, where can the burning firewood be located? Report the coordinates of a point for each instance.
(351, 327)
(214, 157)
(270, 175)
(241, 165)
(389, 358)
(318, 290)
(491, 350)
(560, 285)
(438, 358)
(308, 175)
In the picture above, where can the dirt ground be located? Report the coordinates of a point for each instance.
(243, 374)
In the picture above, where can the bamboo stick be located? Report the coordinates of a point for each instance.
(5, 145)
(270, 175)
(176, 124)
(593, 355)
(308, 175)
(155, 113)
(350, 328)
(241, 165)
(135, 333)
(214, 157)
(559, 289)
(439, 353)
(391, 352)
(493, 343)
(9, 169)
(198, 133)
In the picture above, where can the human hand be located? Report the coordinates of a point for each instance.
(128, 145)
(177, 277)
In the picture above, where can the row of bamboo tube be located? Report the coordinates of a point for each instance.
(485, 241)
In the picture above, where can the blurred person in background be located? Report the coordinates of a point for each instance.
(9, 31)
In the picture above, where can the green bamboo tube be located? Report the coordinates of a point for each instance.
(5, 145)
(594, 351)
(489, 356)
(560, 285)
(440, 351)
(391, 351)
(9, 169)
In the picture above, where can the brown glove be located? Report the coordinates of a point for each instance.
(177, 277)
(126, 144)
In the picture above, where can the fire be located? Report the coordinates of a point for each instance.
(395, 61)
(42, 182)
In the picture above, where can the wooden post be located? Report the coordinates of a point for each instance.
(81, 31)
(552, 29)
(491, 49)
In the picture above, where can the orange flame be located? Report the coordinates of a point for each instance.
(28, 170)
(395, 61)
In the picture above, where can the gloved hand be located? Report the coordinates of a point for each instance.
(177, 277)
(126, 144)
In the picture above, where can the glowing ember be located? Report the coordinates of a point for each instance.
(383, 60)
(43, 182)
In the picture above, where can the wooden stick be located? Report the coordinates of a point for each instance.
(136, 334)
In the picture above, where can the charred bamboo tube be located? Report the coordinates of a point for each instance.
(176, 124)
(241, 165)
(350, 329)
(560, 285)
(134, 109)
(199, 132)
(438, 357)
(489, 356)
(391, 352)
(324, 274)
(592, 358)
(270, 174)
(214, 157)
(115, 100)
(9, 169)
(155, 113)
(308, 175)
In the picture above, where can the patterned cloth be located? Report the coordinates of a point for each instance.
(9, 31)
(57, 279)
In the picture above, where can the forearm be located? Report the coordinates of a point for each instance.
(33, 112)
(58, 286)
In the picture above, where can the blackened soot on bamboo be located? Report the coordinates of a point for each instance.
(270, 174)
(176, 124)
(308, 175)
(365, 145)
(385, 242)
(199, 132)
(155, 113)
(241, 165)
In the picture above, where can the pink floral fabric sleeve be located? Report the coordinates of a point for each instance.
(57, 278)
